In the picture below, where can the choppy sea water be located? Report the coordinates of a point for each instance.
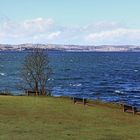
(110, 77)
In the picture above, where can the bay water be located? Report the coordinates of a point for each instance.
(107, 76)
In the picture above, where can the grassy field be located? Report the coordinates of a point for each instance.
(49, 118)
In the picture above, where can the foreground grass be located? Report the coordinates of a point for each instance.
(48, 118)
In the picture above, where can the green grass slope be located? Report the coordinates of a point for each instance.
(49, 118)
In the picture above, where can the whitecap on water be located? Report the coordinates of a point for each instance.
(2, 74)
(50, 79)
(135, 70)
(118, 91)
(136, 96)
(76, 85)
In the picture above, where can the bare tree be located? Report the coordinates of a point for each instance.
(36, 71)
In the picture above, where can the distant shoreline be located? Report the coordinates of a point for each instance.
(71, 48)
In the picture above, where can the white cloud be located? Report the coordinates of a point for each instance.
(120, 36)
(54, 35)
(102, 26)
(41, 30)
(37, 25)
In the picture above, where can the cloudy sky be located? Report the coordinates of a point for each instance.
(82, 22)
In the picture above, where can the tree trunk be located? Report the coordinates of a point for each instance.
(36, 88)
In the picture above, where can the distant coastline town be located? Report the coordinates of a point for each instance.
(75, 48)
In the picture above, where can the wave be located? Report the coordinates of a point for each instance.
(2, 74)
(76, 85)
(119, 92)
(72, 78)
(136, 70)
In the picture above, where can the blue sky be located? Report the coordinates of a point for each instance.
(86, 22)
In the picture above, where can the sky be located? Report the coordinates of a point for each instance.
(79, 22)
